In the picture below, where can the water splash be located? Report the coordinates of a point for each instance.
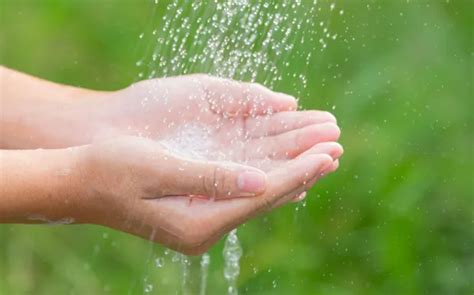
(191, 140)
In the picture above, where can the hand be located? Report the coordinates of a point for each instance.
(155, 108)
(125, 181)
(41, 114)
(235, 121)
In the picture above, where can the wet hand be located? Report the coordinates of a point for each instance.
(153, 108)
(126, 182)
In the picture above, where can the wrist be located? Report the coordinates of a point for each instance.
(40, 186)
(41, 114)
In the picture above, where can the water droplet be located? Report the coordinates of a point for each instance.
(159, 262)
(148, 288)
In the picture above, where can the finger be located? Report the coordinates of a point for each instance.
(292, 176)
(280, 182)
(333, 168)
(298, 197)
(331, 148)
(233, 98)
(290, 144)
(334, 149)
(299, 193)
(286, 121)
(215, 180)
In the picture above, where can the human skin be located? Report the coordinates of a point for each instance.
(113, 171)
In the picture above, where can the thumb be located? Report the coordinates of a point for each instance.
(219, 180)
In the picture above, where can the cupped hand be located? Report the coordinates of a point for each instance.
(138, 185)
(217, 119)
(155, 107)
(159, 108)
(193, 142)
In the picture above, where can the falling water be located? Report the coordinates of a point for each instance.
(194, 272)
(205, 261)
(232, 254)
(236, 39)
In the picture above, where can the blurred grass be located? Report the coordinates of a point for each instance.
(397, 218)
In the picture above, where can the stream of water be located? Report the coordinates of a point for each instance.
(237, 39)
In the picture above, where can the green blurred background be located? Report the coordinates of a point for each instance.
(397, 218)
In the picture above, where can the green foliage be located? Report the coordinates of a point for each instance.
(397, 218)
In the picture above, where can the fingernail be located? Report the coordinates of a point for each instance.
(251, 182)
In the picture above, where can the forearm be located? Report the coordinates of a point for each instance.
(36, 113)
(39, 186)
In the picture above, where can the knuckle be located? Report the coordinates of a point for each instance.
(220, 183)
(216, 185)
(210, 183)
